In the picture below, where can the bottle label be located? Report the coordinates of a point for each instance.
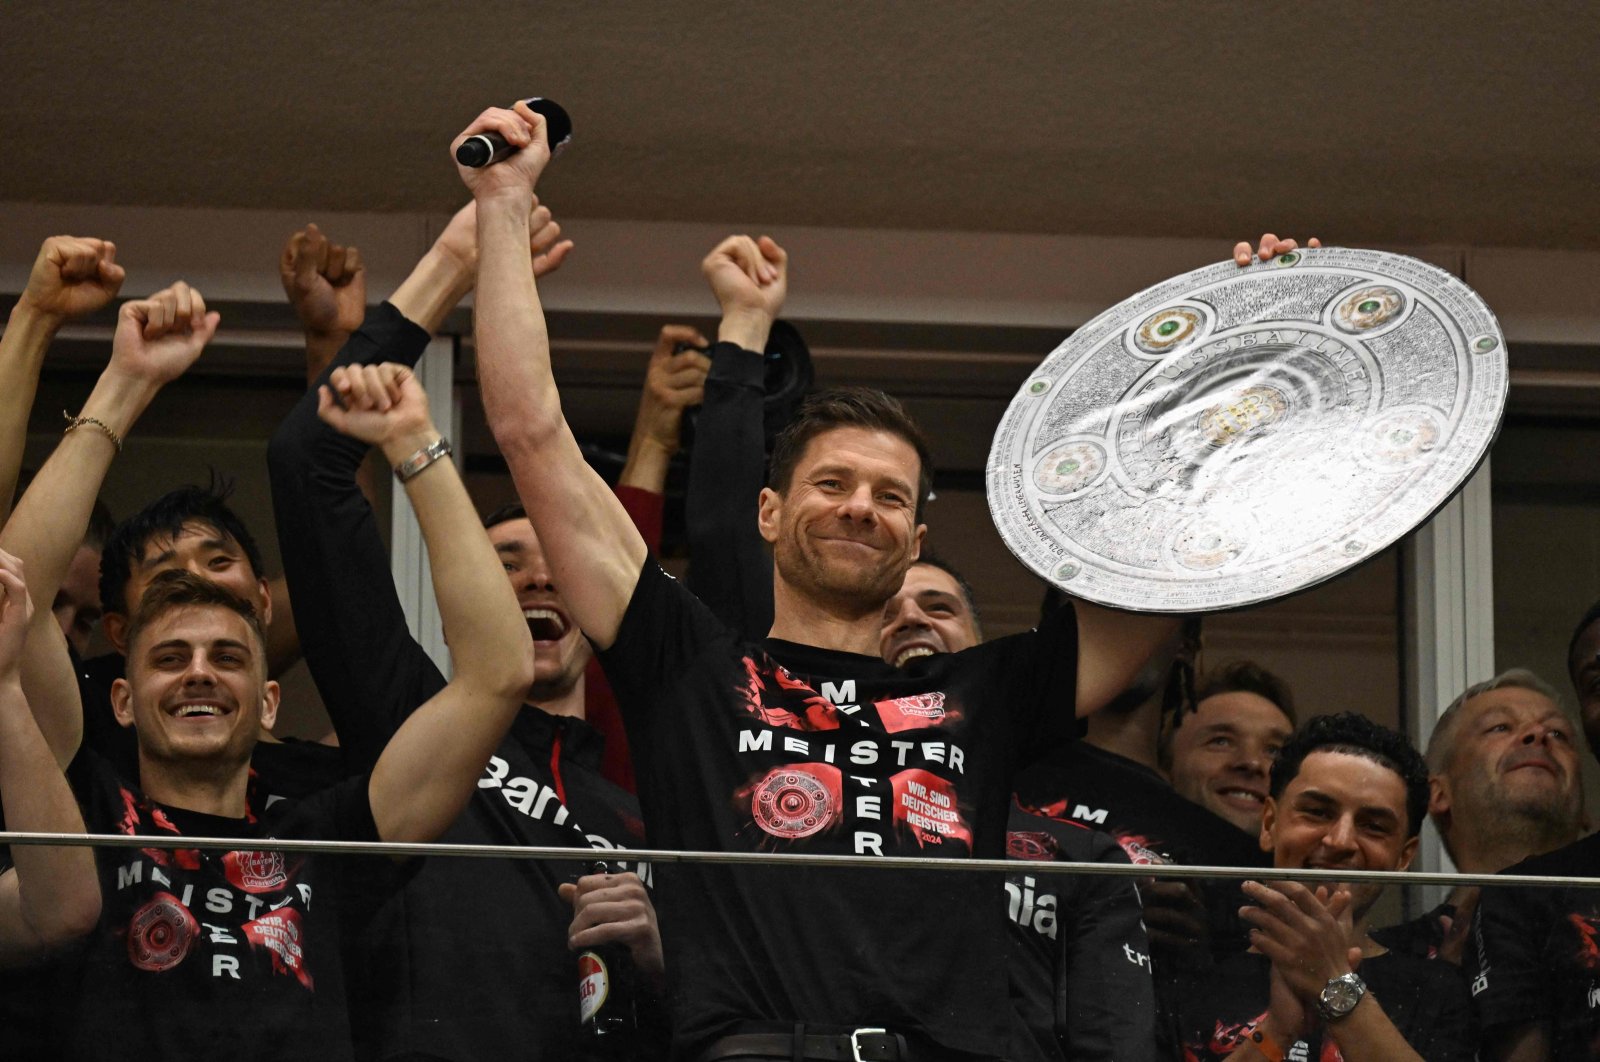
(594, 985)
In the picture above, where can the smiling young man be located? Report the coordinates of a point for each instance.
(225, 954)
(1219, 754)
(1346, 793)
(806, 741)
(1533, 961)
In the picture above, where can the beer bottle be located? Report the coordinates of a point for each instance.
(607, 1022)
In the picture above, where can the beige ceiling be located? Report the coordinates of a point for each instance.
(1406, 122)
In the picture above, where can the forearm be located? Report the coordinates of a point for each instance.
(593, 548)
(1367, 1035)
(729, 568)
(22, 348)
(44, 532)
(490, 647)
(434, 287)
(1112, 646)
(58, 894)
(647, 464)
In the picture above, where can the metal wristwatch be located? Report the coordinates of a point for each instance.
(1340, 996)
(424, 457)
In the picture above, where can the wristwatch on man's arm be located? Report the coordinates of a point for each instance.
(1340, 996)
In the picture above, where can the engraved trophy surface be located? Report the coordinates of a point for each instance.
(1231, 436)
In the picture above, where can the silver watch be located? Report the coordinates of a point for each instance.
(413, 465)
(1340, 996)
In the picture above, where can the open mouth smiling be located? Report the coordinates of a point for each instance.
(546, 624)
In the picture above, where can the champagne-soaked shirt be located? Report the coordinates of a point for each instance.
(781, 747)
(211, 954)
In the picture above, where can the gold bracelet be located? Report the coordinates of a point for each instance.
(93, 422)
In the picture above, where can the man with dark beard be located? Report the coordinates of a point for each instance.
(806, 741)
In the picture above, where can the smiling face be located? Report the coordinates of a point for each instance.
(196, 690)
(844, 530)
(1511, 751)
(928, 615)
(1221, 755)
(1341, 811)
(203, 550)
(560, 651)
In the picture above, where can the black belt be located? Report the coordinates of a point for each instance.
(859, 1045)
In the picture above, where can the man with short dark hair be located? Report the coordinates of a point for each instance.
(1345, 793)
(203, 954)
(1219, 754)
(1533, 962)
(807, 741)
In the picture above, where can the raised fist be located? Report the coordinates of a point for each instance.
(377, 404)
(518, 173)
(748, 276)
(73, 276)
(672, 383)
(326, 282)
(158, 338)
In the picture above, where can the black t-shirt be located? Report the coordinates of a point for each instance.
(783, 747)
(1080, 961)
(209, 954)
(1425, 1000)
(1422, 936)
(1082, 783)
(1535, 953)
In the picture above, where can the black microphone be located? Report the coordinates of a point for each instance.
(486, 149)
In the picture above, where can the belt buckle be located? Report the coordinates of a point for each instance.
(855, 1042)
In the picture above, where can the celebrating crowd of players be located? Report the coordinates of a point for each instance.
(819, 684)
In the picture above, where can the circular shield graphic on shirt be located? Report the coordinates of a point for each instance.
(256, 871)
(791, 804)
(161, 934)
(1031, 844)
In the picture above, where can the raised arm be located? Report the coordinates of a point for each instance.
(593, 548)
(428, 770)
(50, 896)
(730, 569)
(157, 339)
(72, 276)
(1112, 647)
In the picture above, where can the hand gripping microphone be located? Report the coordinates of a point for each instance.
(486, 149)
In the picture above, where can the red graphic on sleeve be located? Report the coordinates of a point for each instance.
(797, 800)
(1226, 1039)
(777, 698)
(256, 871)
(1588, 942)
(281, 934)
(1031, 844)
(915, 712)
(926, 805)
(161, 934)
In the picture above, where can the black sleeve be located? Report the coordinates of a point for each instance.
(1038, 670)
(342, 812)
(353, 632)
(1504, 961)
(663, 630)
(729, 567)
(1105, 998)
